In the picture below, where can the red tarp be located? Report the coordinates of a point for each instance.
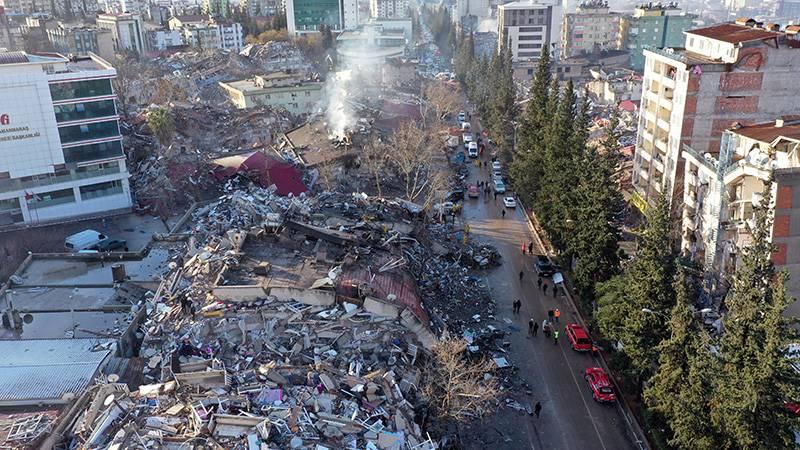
(263, 170)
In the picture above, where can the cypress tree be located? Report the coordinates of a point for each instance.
(680, 390)
(755, 377)
(648, 285)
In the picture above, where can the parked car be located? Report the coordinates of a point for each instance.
(472, 149)
(85, 240)
(598, 383)
(465, 126)
(455, 195)
(467, 138)
(578, 338)
(543, 266)
(462, 116)
(509, 202)
(496, 165)
(497, 175)
(499, 187)
(444, 207)
(473, 191)
(110, 245)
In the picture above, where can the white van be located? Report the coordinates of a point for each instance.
(465, 126)
(83, 240)
(472, 150)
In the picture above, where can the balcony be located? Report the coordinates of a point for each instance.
(665, 103)
(663, 124)
(661, 144)
(658, 164)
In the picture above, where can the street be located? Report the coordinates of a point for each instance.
(570, 418)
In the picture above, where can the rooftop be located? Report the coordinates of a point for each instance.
(45, 370)
(192, 18)
(526, 4)
(787, 127)
(733, 33)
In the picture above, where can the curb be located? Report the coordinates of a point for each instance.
(632, 424)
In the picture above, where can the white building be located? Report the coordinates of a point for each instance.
(388, 9)
(727, 73)
(127, 32)
(121, 6)
(161, 40)
(477, 8)
(277, 90)
(204, 32)
(60, 144)
(26, 6)
(230, 36)
(306, 16)
(528, 28)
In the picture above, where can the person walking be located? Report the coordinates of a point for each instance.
(521, 274)
(523, 248)
(555, 337)
(550, 315)
(535, 327)
(539, 282)
(517, 305)
(557, 314)
(530, 247)
(532, 325)
(537, 409)
(504, 213)
(544, 288)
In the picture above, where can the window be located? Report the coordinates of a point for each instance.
(530, 29)
(531, 37)
(80, 89)
(308, 93)
(52, 198)
(89, 110)
(530, 45)
(76, 133)
(528, 54)
(101, 189)
(91, 152)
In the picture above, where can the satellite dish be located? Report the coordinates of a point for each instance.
(27, 318)
(113, 378)
(109, 400)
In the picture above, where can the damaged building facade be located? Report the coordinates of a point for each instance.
(60, 143)
(728, 73)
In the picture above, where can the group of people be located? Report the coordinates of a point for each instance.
(544, 286)
(547, 328)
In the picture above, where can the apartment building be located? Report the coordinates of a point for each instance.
(60, 144)
(159, 40)
(529, 27)
(732, 72)
(126, 29)
(654, 25)
(26, 6)
(476, 8)
(722, 190)
(388, 9)
(296, 94)
(216, 8)
(81, 40)
(256, 8)
(590, 29)
(201, 31)
(306, 16)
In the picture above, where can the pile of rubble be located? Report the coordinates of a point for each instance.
(269, 373)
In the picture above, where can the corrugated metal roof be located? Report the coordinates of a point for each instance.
(43, 370)
(13, 57)
(733, 33)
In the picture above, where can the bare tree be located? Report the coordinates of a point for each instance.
(436, 187)
(128, 71)
(374, 158)
(456, 388)
(443, 97)
(327, 173)
(412, 155)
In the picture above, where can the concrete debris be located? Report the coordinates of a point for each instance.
(295, 322)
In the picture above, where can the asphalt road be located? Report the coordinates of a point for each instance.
(570, 418)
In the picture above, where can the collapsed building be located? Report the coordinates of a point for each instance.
(259, 321)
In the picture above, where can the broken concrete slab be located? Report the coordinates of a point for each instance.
(314, 297)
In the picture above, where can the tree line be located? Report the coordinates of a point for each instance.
(698, 390)
(490, 85)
